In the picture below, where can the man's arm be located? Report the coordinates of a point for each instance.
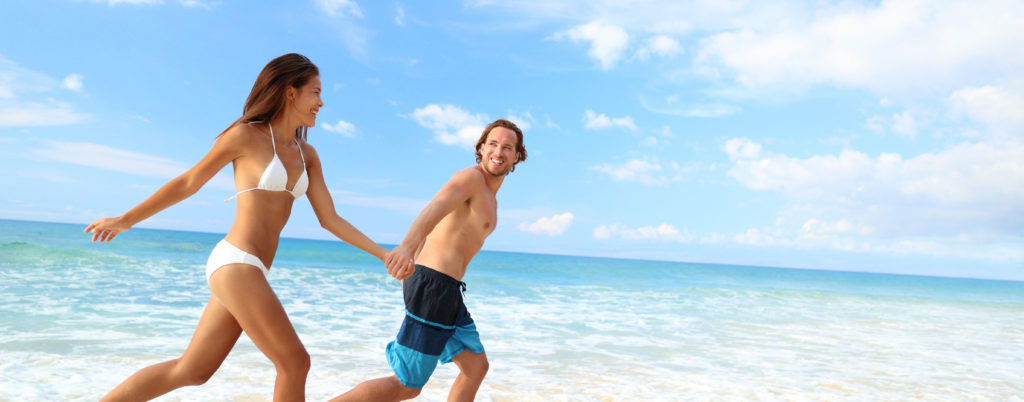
(400, 261)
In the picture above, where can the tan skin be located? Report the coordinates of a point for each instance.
(445, 236)
(242, 300)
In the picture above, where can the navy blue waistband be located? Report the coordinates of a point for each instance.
(441, 276)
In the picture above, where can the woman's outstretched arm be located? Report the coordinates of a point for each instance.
(227, 147)
(323, 206)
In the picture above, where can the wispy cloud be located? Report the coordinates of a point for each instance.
(522, 120)
(343, 17)
(673, 106)
(25, 101)
(599, 121)
(119, 160)
(109, 158)
(649, 171)
(132, 2)
(659, 45)
(23, 114)
(399, 15)
(405, 206)
(662, 232)
(339, 8)
(195, 4)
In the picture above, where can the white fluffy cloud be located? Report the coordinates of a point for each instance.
(1000, 108)
(904, 124)
(911, 45)
(967, 189)
(451, 125)
(73, 82)
(599, 121)
(607, 42)
(342, 127)
(663, 232)
(742, 148)
(551, 226)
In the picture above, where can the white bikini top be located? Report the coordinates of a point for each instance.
(275, 176)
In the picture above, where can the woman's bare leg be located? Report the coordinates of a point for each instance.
(212, 340)
(244, 291)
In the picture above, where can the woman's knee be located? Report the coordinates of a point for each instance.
(190, 374)
(295, 361)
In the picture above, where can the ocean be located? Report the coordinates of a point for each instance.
(77, 318)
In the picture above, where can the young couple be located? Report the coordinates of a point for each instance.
(274, 166)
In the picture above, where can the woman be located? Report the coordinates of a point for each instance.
(273, 166)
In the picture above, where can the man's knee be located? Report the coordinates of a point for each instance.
(403, 392)
(409, 393)
(476, 369)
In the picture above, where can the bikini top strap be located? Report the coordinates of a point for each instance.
(272, 142)
(303, 157)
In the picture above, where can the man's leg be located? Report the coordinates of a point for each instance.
(472, 369)
(380, 389)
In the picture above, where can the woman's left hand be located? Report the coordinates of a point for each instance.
(105, 229)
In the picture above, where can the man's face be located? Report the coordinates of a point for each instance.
(499, 151)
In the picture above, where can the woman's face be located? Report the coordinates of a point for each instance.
(306, 102)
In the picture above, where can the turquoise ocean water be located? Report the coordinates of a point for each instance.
(77, 318)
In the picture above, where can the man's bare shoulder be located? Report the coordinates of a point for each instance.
(471, 176)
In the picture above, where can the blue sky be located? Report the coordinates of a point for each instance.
(868, 136)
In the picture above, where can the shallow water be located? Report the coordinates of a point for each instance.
(77, 318)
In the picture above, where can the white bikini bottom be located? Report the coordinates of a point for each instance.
(225, 253)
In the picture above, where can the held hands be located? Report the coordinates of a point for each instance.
(399, 263)
(105, 229)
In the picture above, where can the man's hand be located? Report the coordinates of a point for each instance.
(399, 262)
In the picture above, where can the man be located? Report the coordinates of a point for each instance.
(431, 262)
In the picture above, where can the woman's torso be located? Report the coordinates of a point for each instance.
(260, 215)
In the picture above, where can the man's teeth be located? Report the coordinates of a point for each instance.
(496, 162)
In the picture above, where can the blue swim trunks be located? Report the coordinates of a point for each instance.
(437, 326)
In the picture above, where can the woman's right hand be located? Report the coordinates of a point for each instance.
(105, 229)
(399, 262)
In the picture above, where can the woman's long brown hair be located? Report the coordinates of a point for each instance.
(266, 101)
